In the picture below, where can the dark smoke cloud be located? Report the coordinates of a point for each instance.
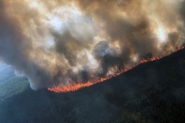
(57, 43)
(107, 57)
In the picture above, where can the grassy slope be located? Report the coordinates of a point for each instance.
(12, 86)
(150, 93)
(9, 83)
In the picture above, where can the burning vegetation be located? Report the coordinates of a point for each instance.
(77, 86)
(67, 45)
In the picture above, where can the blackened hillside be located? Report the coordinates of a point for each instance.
(153, 92)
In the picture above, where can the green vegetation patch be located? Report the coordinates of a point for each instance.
(12, 86)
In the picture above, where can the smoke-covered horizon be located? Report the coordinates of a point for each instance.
(59, 43)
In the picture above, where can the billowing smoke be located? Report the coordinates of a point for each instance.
(62, 42)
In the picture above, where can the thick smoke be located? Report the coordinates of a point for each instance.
(57, 43)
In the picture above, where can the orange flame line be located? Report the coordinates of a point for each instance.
(77, 86)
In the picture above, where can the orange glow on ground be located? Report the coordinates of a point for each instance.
(78, 86)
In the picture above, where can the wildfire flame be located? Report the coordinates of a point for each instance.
(65, 45)
(78, 86)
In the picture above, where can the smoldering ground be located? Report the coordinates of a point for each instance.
(59, 43)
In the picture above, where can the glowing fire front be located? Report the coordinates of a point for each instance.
(77, 86)
(65, 45)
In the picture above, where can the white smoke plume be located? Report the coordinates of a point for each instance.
(61, 42)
